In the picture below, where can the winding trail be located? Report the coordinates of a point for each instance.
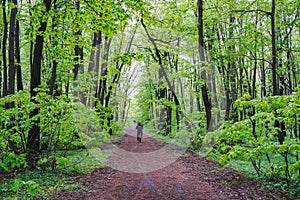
(189, 177)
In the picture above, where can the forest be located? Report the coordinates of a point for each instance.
(219, 77)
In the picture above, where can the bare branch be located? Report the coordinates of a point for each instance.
(247, 11)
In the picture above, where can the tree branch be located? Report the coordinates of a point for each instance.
(163, 70)
(247, 11)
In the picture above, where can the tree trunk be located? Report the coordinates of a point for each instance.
(289, 64)
(275, 82)
(78, 66)
(52, 83)
(4, 40)
(18, 58)
(263, 80)
(11, 51)
(52, 86)
(98, 54)
(232, 73)
(31, 36)
(169, 117)
(161, 96)
(103, 80)
(33, 143)
(204, 89)
(0, 73)
(94, 63)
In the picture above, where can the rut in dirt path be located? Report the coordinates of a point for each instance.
(188, 177)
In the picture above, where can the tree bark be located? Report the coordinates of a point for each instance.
(275, 82)
(33, 141)
(78, 66)
(18, 57)
(232, 71)
(0, 73)
(103, 80)
(4, 40)
(52, 83)
(94, 65)
(11, 51)
(263, 80)
(204, 89)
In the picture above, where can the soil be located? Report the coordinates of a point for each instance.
(189, 177)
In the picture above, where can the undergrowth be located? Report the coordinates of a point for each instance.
(44, 184)
(245, 167)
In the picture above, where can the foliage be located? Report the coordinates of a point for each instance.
(56, 122)
(105, 42)
(255, 139)
(46, 183)
(17, 187)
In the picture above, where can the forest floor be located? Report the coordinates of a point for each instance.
(189, 177)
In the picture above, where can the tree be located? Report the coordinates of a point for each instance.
(11, 54)
(33, 143)
(204, 90)
(4, 40)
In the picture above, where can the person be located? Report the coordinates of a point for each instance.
(139, 128)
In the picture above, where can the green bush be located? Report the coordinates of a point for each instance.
(255, 138)
(55, 121)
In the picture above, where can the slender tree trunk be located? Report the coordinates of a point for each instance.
(92, 66)
(227, 95)
(255, 62)
(169, 116)
(33, 143)
(233, 76)
(275, 82)
(52, 86)
(191, 100)
(11, 51)
(197, 90)
(18, 58)
(4, 40)
(103, 79)
(102, 90)
(78, 66)
(1, 72)
(204, 89)
(263, 72)
(52, 83)
(31, 36)
(274, 53)
(263, 80)
(295, 68)
(92, 55)
(241, 88)
(98, 54)
(289, 64)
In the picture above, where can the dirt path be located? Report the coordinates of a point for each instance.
(189, 177)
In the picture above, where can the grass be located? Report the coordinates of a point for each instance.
(32, 184)
(244, 167)
(82, 162)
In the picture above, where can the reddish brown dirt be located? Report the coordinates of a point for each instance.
(190, 177)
